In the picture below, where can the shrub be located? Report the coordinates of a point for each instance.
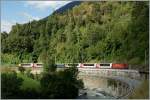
(10, 85)
(21, 69)
(63, 84)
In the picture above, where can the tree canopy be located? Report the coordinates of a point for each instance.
(92, 31)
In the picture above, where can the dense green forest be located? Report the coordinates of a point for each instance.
(90, 32)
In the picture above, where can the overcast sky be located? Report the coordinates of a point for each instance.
(13, 12)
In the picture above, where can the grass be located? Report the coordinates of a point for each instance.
(29, 82)
(142, 92)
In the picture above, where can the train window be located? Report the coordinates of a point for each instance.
(72, 64)
(25, 64)
(88, 64)
(104, 64)
(60, 65)
(39, 64)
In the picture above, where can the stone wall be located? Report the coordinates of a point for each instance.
(116, 88)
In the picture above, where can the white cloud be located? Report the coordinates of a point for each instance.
(46, 4)
(6, 25)
(39, 5)
(29, 17)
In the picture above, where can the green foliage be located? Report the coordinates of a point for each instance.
(49, 62)
(4, 35)
(29, 83)
(29, 74)
(9, 58)
(10, 85)
(92, 31)
(18, 86)
(29, 93)
(13, 58)
(21, 69)
(19, 43)
(59, 84)
(34, 58)
(51, 85)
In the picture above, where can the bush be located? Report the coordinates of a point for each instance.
(63, 84)
(21, 69)
(9, 59)
(10, 85)
(11, 88)
(29, 94)
(29, 74)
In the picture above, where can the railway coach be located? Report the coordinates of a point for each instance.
(81, 65)
(99, 65)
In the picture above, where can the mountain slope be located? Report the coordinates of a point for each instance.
(64, 8)
(67, 6)
(88, 32)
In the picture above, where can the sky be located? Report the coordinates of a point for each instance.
(13, 12)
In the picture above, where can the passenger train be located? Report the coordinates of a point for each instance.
(34, 65)
(99, 65)
(81, 65)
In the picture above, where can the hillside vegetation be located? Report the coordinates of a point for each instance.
(89, 32)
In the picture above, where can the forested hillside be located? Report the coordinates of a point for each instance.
(89, 32)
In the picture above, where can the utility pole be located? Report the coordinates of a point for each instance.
(55, 59)
(78, 47)
(56, 54)
(104, 57)
(145, 57)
